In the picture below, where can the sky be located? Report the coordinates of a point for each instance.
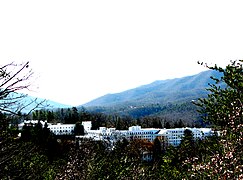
(81, 50)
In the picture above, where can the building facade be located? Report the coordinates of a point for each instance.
(168, 136)
(62, 129)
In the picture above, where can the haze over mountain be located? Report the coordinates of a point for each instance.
(160, 92)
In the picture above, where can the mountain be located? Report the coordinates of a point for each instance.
(30, 102)
(56, 105)
(160, 92)
(169, 100)
(49, 104)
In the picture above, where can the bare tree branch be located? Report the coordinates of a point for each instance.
(15, 74)
(13, 79)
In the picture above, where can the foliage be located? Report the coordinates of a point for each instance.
(14, 78)
(170, 112)
(223, 108)
(36, 155)
(79, 129)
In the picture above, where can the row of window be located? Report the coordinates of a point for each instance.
(62, 127)
(180, 131)
(62, 131)
(174, 137)
(136, 133)
(143, 137)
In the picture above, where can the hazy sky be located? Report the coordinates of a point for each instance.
(81, 50)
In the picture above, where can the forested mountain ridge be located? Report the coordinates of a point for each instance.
(170, 100)
(160, 92)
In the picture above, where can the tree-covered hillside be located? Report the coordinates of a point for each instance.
(171, 100)
(160, 92)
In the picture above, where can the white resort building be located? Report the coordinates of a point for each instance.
(168, 136)
(111, 135)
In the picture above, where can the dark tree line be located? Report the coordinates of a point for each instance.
(74, 115)
(186, 111)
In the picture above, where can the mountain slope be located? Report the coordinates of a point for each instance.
(49, 104)
(160, 92)
(30, 102)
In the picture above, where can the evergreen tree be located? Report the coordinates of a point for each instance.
(167, 125)
(157, 150)
(75, 115)
(186, 149)
(50, 116)
(68, 116)
(223, 108)
(79, 129)
(118, 123)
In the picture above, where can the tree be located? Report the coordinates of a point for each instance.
(50, 116)
(14, 78)
(167, 125)
(68, 116)
(157, 150)
(223, 109)
(19, 158)
(79, 129)
(180, 124)
(222, 102)
(75, 115)
(118, 123)
(186, 148)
